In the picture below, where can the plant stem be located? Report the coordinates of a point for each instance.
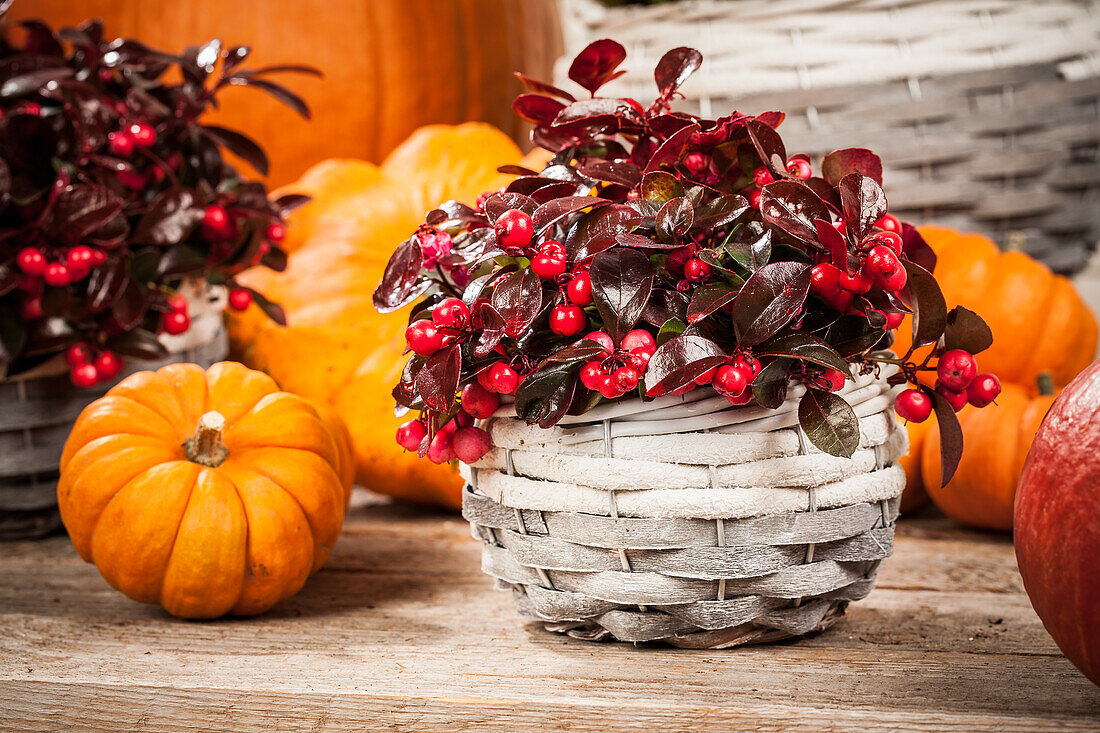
(205, 447)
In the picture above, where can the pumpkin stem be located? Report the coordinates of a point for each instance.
(205, 447)
(1045, 383)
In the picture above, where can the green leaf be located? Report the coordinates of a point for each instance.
(752, 255)
(829, 422)
(661, 187)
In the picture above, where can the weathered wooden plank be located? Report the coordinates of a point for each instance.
(401, 631)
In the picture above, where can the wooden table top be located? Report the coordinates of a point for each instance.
(401, 631)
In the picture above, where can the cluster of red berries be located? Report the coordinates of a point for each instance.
(37, 270)
(957, 381)
(618, 370)
(450, 321)
(88, 368)
(880, 266)
(798, 166)
(733, 379)
(458, 437)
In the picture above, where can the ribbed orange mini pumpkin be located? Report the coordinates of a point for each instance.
(208, 492)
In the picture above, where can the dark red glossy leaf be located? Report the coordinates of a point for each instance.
(603, 223)
(281, 93)
(80, 210)
(552, 191)
(966, 330)
(803, 347)
(853, 335)
(928, 304)
(863, 203)
(518, 299)
(599, 111)
(951, 435)
(498, 203)
(770, 385)
(516, 170)
(13, 335)
(401, 282)
(272, 310)
(915, 248)
(639, 241)
(769, 300)
(536, 108)
(769, 146)
(240, 145)
(841, 163)
(679, 361)
(24, 84)
(107, 282)
(675, 219)
(490, 326)
(825, 191)
(437, 382)
(673, 149)
(595, 65)
(660, 187)
(621, 283)
(138, 344)
(751, 253)
(709, 299)
(665, 305)
(675, 67)
(622, 172)
(557, 209)
(129, 306)
(721, 211)
(171, 217)
(834, 243)
(544, 396)
(829, 422)
(792, 207)
(543, 88)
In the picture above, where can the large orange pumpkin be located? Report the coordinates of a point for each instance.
(389, 66)
(337, 348)
(1057, 522)
(996, 441)
(208, 492)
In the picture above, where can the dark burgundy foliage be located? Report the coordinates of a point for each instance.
(652, 207)
(99, 148)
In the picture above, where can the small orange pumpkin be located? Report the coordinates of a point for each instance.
(996, 439)
(208, 492)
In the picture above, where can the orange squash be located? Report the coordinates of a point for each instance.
(336, 348)
(207, 492)
(389, 66)
(996, 439)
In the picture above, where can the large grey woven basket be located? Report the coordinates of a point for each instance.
(685, 520)
(37, 411)
(986, 112)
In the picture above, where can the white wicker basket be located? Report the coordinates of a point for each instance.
(685, 520)
(986, 112)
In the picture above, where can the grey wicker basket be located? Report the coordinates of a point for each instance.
(686, 521)
(37, 411)
(986, 112)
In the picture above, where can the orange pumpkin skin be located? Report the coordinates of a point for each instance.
(1057, 522)
(996, 440)
(235, 536)
(914, 496)
(1015, 295)
(337, 348)
(389, 66)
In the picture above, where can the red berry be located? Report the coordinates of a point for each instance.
(515, 229)
(142, 134)
(31, 308)
(423, 338)
(470, 444)
(84, 375)
(478, 401)
(567, 320)
(411, 434)
(592, 375)
(841, 301)
(276, 232)
(829, 379)
(548, 267)
(175, 323)
(889, 223)
(744, 398)
(955, 398)
(858, 283)
(983, 390)
(452, 313)
(80, 259)
(239, 299)
(462, 419)
(552, 248)
(78, 354)
(891, 240)
(216, 222)
(730, 380)
(626, 378)
(603, 340)
(957, 369)
(706, 377)
(749, 363)
(31, 261)
(913, 405)
(696, 270)
(177, 303)
(754, 199)
(502, 379)
(579, 289)
(121, 143)
(640, 356)
(762, 177)
(697, 162)
(608, 388)
(825, 279)
(799, 168)
(57, 275)
(638, 338)
(883, 266)
(98, 257)
(894, 319)
(441, 449)
(131, 178)
(107, 365)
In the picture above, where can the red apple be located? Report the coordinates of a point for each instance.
(1057, 522)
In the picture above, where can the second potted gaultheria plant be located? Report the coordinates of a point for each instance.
(664, 363)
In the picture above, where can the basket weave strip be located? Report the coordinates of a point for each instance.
(699, 549)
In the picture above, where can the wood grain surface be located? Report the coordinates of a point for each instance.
(401, 631)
